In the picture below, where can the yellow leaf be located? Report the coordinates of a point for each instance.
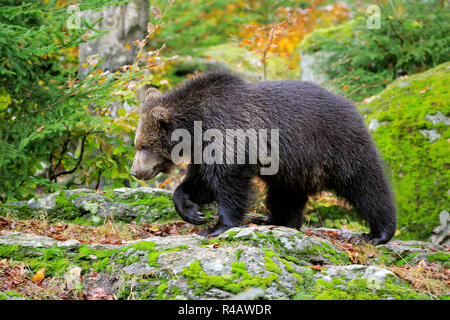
(154, 228)
(38, 276)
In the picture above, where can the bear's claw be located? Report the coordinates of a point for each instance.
(194, 217)
(375, 239)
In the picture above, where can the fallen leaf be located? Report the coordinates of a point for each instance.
(38, 276)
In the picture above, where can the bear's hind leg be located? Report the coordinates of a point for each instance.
(373, 200)
(285, 206)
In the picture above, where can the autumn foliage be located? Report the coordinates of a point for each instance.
(289, 25)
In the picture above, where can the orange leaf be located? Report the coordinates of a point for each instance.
(38, 276)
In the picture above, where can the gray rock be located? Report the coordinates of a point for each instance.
(403, 84)
(126, 23)
(432, 134)
(125, 193)
(441, 234)
(139, 268)
(374, 124)
(375, 275)
(46, 202)
(27, 240)
(252, 293)
(438, 118)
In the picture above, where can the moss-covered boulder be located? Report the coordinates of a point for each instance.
(409, 122)
(246, 263)
(84, 205)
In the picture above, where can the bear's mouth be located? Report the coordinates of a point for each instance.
(164, 167)
(150, 176)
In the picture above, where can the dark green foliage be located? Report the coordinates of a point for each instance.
(47, 129)
(413, 37)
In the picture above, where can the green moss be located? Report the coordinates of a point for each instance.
(342, 33)
(89, 221)
(407, 259)
(441, 257)
(271, 265)
(160, 291)
(240, 279)
(130, 260)
(64, 208)
(89, 258)
(19, 212)
(153, 256)
(9, 294)
(327, 251)
(54, 260)
(417, 168)
(141, 246)
(361, 289)
(231, 235)
(306, 285)
(238, 254)
(160, 203)
(12, 252)
(91, 207)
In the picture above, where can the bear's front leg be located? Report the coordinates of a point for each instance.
(228, 218)
(192, 193)
(232, 194)
(188, 210)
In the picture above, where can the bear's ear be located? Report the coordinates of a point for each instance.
(160, 114)
(151, 93)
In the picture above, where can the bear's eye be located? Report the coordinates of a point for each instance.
(144, 147)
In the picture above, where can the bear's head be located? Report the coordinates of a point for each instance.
(152, 147)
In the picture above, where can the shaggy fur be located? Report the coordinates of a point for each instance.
(324, 145)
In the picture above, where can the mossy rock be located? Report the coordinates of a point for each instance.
(343, 33)
(275, 260)
(409, 122)
(87, 207)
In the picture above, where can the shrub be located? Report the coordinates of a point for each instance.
(359, 62)
(52, 122)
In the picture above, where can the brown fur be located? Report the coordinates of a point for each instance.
(324, 145)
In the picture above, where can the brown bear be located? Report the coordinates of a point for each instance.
(318, 142)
